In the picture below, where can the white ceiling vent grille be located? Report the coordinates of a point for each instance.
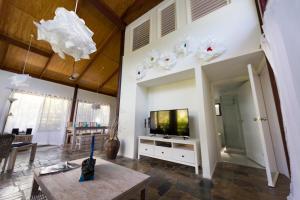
(141, 35)
(200, 8)
(168, 19)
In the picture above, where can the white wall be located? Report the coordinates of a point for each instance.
(46, 87)
(236, 25)
(141, 114)
(175, 96)
(281, 26)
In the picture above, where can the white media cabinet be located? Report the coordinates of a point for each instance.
(174, 149)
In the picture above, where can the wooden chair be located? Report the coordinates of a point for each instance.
(28, 131)
(5, 146)
(15, 131)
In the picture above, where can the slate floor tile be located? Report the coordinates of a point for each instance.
(169, 181)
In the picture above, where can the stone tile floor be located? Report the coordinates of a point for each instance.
(169, 181)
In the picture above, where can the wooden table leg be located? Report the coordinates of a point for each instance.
(35, 188)
(33, 151)
(4, 164)
(143, 194)
(12, 159)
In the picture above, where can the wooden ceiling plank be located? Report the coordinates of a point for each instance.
(46, 66)
(4, 55)
(110, 58)
(24, 45)
(100, 50)
(108, 79)
(136, 3)
(108, 13)
(3, 5)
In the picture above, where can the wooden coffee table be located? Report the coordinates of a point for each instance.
(111, 182)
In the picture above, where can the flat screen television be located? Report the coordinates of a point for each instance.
(170, 122)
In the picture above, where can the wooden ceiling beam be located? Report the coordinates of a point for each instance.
(99, 51)
(46, 66)
(120, 74)
(108, 13)
(4, 55)
(24, 45)
(57, 81)
(108, 79)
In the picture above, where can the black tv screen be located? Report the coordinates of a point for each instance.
(170, 122)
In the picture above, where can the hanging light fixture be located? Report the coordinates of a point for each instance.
(67, 34)
(19, 80)
(74, 74)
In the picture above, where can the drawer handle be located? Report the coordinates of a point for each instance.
(146, 149)
(162, 152)
(182, 156)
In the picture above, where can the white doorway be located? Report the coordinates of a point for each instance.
(258, 143)
(241, 142)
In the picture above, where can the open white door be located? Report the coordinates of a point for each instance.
(263, 125)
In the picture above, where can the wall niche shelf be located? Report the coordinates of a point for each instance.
(168, 78)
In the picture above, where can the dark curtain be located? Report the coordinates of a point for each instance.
(263, 4)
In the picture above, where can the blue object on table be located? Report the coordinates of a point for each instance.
(92, 147)
(88, 165)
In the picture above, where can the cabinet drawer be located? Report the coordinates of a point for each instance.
(146, 149)
(163, 152)
(184, 155)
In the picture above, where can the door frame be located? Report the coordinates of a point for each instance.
(279, 113)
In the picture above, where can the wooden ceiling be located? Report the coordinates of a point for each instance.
(106, 18)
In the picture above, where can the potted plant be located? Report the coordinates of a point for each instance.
(112, 145)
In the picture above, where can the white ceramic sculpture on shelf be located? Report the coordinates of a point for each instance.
(67, 34)
(140, 72)
(152, 59)
(167, 60)
(210, 49)
(185, 47)
(19, 80)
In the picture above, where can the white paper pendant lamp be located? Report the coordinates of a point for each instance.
(67, 34)
(21, 80)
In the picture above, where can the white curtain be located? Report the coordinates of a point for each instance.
(25, 112)
(47, 116)
(53, 120)
(282, 47)
(86, 113)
